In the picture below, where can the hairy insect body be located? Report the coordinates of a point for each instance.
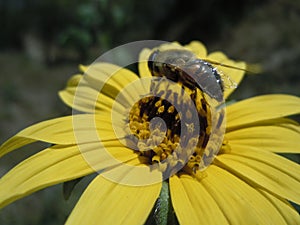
(184, 67)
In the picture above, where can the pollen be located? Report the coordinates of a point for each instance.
(172, 140)
(161, 109)
(171, 109)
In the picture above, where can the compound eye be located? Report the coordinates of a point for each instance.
(153, 55)
(151, 61)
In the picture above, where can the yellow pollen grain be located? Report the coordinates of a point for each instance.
(158, 150)
(163, 146)
(171, 109)
(163, 156)
(158, 103)
(198, 158)
(176, 138)
(145, 100)
(156, 158)
(144, 134)
(161, 109)
(192, 158)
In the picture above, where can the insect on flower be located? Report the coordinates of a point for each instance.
(183, 66)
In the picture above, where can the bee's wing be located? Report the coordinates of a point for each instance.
(229, 66)
(228, 81)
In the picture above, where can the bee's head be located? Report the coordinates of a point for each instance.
(153, 64)
(167, 62)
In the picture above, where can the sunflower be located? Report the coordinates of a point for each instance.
(142, 149)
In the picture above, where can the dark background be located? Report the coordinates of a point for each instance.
(42, 43)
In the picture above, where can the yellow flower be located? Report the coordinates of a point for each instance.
(246, 181)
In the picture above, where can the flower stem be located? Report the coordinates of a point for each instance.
(163, 205)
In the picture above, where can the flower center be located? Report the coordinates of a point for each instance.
(168, 132)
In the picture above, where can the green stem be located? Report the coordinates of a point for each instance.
(163, 205)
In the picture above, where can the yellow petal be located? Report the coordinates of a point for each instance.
(67, 130)
(290, 215)
(278, 162)
(143, 63)
(281, 122)
(217, 56)
(133, 173)
(86, 97)
(105, 202)
(241, 203)
(258, 172)
(170, 45)
(284, 139)
(198, 48)
(99, 87)
(44, 169)
(83, 68)
(111, 78)
(261, 108)
(87, 100)
(58, 164)
(193, 204)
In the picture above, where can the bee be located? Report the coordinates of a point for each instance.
(184, 67)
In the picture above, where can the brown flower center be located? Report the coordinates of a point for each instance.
(168, 132)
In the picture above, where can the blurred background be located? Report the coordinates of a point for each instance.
(42, 43)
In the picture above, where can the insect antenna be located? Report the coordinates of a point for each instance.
(251, 68)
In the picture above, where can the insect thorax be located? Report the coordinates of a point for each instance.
(184, 67)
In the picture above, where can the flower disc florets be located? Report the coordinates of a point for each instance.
(164, 126)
